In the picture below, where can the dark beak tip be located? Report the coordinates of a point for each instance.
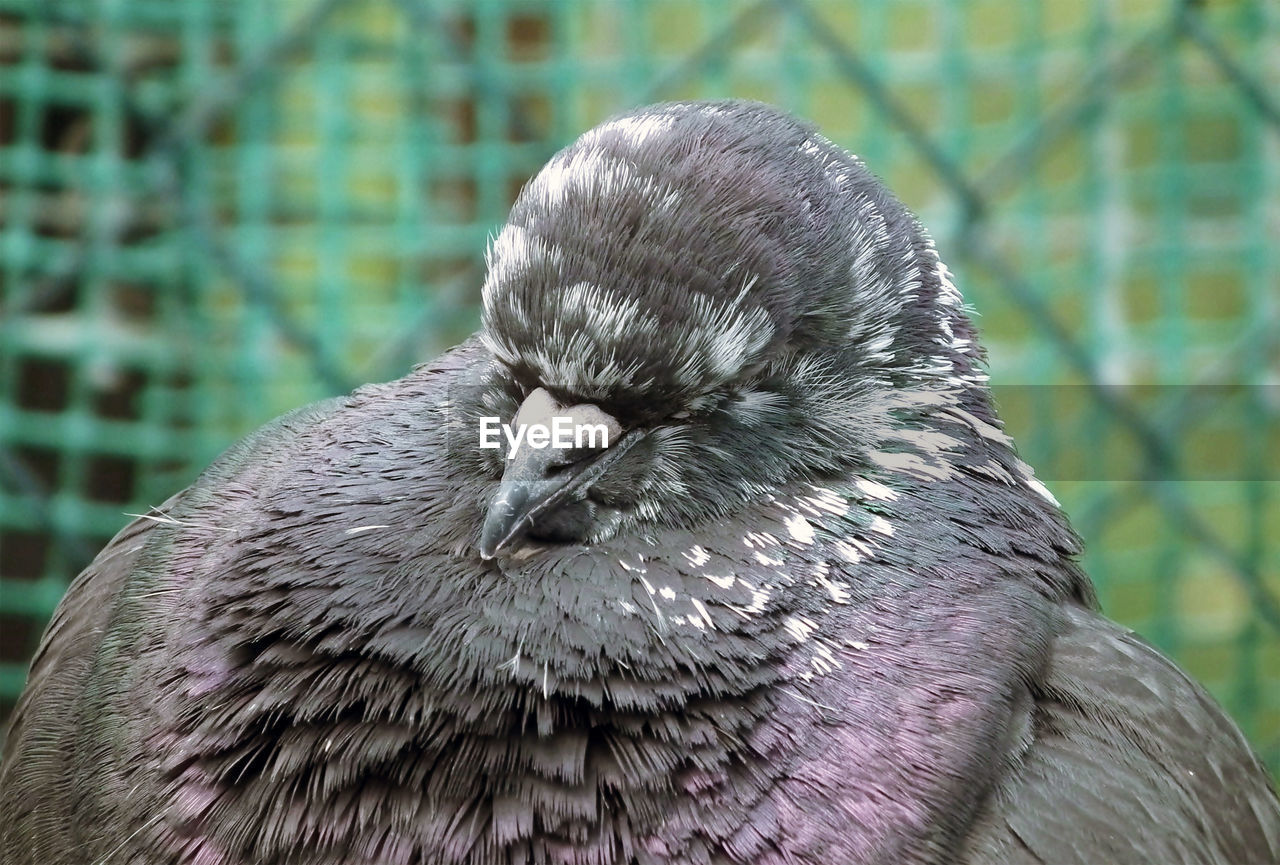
(503, 517)
(491, 539)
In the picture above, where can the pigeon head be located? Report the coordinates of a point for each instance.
(720, 293)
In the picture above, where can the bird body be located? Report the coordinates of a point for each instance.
(807, 605)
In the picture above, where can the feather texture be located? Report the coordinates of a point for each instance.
(816, 611)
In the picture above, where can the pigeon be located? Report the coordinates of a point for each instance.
(708, 548)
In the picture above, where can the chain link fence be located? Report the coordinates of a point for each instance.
(213, 211)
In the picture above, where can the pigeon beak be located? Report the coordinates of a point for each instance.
(559, 450)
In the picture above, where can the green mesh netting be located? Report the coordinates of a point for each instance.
(212, 211)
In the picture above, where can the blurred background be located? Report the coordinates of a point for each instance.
(213, 211)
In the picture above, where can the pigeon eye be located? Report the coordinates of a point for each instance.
(705, 404)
